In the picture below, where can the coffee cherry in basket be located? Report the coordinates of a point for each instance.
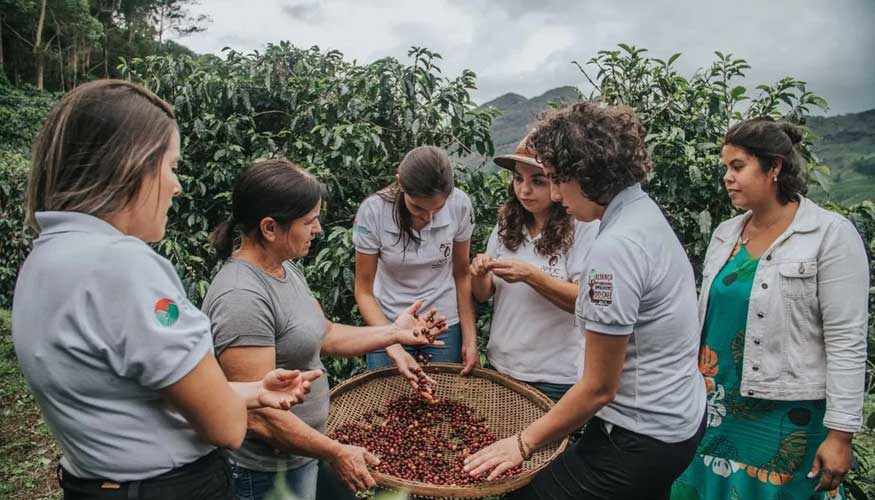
(423, 441)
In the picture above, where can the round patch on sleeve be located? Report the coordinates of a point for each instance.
(166, 312)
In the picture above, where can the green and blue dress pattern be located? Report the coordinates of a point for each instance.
(752, 448)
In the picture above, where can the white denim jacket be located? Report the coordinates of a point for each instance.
(808, 312)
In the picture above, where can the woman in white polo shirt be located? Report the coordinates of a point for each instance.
(120, 362)
(641, 390)
(412, 241)
(532, 263)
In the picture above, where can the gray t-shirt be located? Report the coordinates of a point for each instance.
(638, 282)
(249, 307)
(101, 324)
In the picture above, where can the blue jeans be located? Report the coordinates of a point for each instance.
(451, 352)
(255, 485)
(552, 391)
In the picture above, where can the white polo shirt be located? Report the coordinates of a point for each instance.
(639, 283)
(530, 338)
(101, 324)
(423, 271)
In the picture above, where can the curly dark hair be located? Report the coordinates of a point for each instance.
(601, 147)
(769, 140)
(513, 219)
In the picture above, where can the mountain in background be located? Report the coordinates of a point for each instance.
(846, 143)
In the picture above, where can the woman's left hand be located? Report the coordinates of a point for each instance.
(281, 389)
(832, 461)
(497, 457)
(512, 270)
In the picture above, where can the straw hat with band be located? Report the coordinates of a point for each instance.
(522, 154)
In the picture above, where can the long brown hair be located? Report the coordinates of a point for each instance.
(513, 219)
(95, 148)
(424, 172)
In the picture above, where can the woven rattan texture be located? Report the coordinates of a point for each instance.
(507, 406)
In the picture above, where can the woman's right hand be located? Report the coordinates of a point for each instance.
(351, 464)
(480, 265)
(407, 366)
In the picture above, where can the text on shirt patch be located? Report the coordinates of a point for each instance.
(601, 288)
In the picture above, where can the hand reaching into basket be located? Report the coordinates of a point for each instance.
(351, 464)
(497, 458)
(408, 367)
(416, 329)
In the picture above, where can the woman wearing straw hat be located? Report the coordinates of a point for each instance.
(532, 263)
(641, 391)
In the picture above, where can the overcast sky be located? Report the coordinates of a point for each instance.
(526, 46)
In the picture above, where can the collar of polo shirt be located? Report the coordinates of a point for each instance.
(56, 222)
(628, 195)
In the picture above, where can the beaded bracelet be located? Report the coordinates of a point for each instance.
(519, 441)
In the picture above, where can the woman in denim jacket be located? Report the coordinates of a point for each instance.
(783, 309)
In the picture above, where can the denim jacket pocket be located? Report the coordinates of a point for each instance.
(798, 279)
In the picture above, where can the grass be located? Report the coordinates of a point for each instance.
(28, 454)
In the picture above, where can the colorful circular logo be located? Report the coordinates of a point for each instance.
(166, 312)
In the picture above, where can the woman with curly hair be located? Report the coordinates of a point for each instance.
(532, 264)
(641, 391)
(783, 310)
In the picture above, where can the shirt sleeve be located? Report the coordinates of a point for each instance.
(492, 243)
(612, 288)
(584, 236)
(465, 218)
(842, 291)
(365, 228)
(156, 335)
(241, 318)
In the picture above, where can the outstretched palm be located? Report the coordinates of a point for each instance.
(281, 389)
(419, 329)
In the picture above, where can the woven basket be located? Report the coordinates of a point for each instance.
(507, 405)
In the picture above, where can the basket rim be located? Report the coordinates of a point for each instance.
(440, 491)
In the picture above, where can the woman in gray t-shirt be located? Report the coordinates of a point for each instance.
(264, 316)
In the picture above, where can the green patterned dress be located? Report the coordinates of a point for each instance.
(752, 448)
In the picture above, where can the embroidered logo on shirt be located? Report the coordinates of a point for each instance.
(601, 288)
(166, 312)
(360, 229)
(443, 255)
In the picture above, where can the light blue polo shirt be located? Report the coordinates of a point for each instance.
(423, 271)
(101, 324)
(639, 282)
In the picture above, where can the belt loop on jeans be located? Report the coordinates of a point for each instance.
(134, 490)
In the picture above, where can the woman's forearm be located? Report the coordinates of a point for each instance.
(577, 407)
(371, 312)
(285, 431)
(346, 340)
(248, 392)
(560, 293)
(465, 301)
(482, 287)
